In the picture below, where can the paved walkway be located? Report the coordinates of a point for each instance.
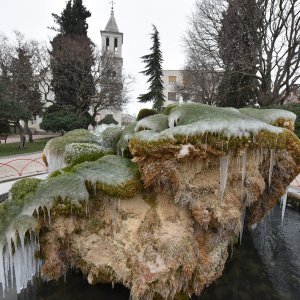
(15, 167)
(16, 138)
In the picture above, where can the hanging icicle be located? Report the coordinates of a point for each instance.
(272, 161)
(224, 161)
(242, 222)
(244, 167)
(17, 260)
(283, 200)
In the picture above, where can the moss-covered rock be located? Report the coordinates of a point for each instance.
(276, 117)
(123, 143)
(168, 108)
(57, 145)
(145, 112)
(155, 123)
(10, 210)
(111, 136)
(54, 151)
(212, 129)
(77, 153)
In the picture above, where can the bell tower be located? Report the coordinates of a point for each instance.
(112, 40)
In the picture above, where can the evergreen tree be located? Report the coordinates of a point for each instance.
(72, 59)
(153, 69)
(239, 45)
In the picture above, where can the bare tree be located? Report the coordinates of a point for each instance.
(277, 45)
(279, 57)
(20, 95)
(112, 86)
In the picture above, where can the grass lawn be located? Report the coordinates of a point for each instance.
(12, 149)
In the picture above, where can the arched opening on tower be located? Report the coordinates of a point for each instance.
(116, 44)
(107, 43)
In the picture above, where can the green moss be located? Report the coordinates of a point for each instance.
(295, 108)
(10, 210)
(123, 143)
(22, 188)
(57, 145)
(270, 115)
(61, 171)
(77, 153)
(111, 136)
(157, 123)
(145, 112)
(168, 108)
(111, 174)
(212, 129)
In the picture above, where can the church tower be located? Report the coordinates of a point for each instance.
(112, 60)
(112, 42)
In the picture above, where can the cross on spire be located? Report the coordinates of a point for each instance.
(112, 2)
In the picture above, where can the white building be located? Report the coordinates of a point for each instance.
(172, 79)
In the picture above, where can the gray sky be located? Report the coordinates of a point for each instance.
(134, 18)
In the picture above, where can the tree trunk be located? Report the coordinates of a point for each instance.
(28, 131)
(21, 133)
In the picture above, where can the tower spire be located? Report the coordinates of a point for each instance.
(112, 2)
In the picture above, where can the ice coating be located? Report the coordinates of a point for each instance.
(197, 119)
(224, 162)
(155, 123)
(79, 152)
(110, 174)
(269, 115)
(55, 148)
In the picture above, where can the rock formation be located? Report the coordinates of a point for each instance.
(161, 220)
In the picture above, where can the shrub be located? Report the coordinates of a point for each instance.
(108, 119)
(63, 119)
(4, 127)
(146, 112)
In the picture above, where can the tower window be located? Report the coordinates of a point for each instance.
(107, 43)
(116, 44)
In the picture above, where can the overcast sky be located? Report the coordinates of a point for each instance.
(134, 18)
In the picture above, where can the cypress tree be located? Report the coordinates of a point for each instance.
(72, 59)
(153, 69)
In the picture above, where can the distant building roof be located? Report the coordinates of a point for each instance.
(112, 23)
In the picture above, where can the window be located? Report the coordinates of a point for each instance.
(172, 79)
(172, 96)
(107, 43)
(116, 44)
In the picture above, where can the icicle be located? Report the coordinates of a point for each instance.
(283, 200)
(2, 270)
(224, 161)
(244, 166)
(271, 166)
(86, 209)
(205, 142)
(49, 215)
(17, 268)
(242, 224)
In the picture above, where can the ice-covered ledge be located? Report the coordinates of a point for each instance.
(160, 222)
